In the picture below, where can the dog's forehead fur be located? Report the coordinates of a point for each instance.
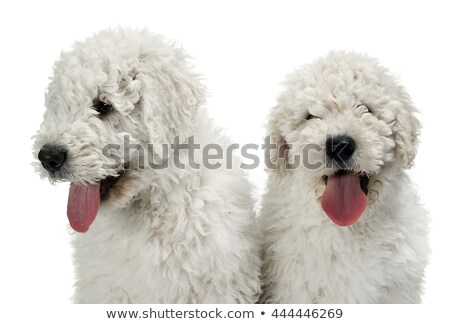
(340, 81)
(107, 65)
(125, 67)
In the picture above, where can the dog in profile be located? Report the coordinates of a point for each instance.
(342, 222)
(156, 231)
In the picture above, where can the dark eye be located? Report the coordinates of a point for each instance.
(102, 107)
(309, 116)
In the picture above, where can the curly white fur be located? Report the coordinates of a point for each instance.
(382, 257)
(163, 236)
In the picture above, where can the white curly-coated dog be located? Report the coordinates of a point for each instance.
(345, 224)
(173, 233)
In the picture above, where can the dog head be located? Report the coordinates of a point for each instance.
(341, 124)
(117, 87)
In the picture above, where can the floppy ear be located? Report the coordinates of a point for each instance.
(278, 156)
(406, 130)
(184, 94)
(170, 96)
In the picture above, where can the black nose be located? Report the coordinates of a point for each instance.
(340, 149)
(52, 157)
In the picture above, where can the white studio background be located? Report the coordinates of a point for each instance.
(243, 49)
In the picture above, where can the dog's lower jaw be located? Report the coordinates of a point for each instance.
(363, 178)
(107, 183)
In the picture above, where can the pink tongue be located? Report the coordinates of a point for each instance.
(83, 204)
(343, 200)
